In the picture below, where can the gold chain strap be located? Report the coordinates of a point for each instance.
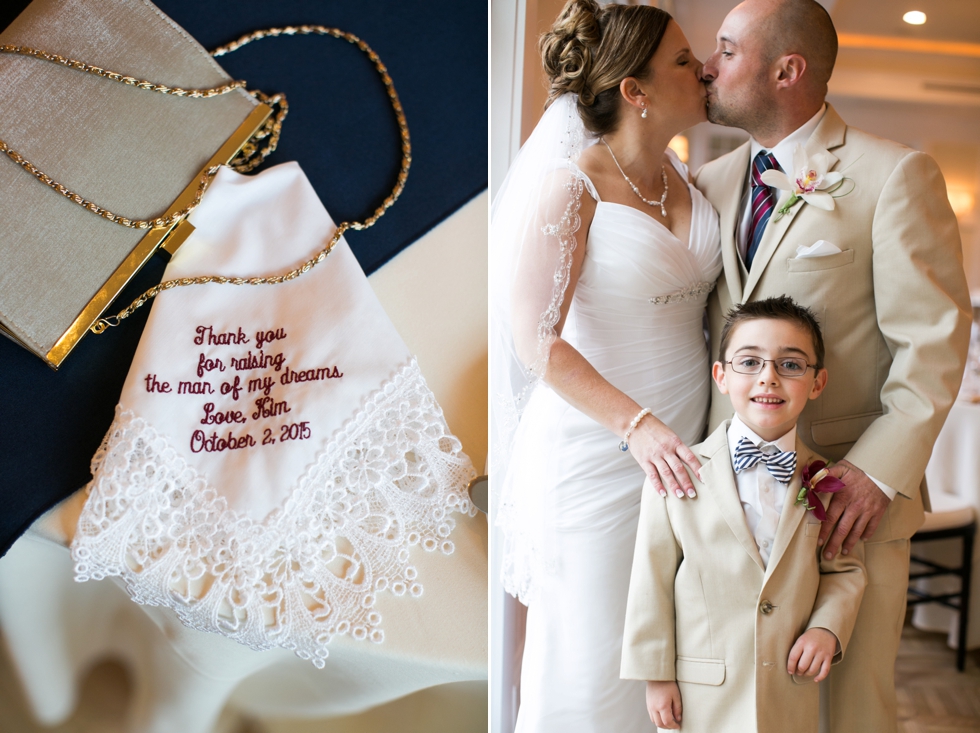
(121, 78)
(160, 221)
(248, 158)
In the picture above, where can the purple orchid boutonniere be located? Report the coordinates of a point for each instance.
(817, 479)
(813, 182)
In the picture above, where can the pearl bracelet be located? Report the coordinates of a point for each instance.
(625, 445)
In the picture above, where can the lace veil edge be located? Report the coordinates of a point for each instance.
(533, 226)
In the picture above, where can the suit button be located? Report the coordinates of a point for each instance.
(766, 607)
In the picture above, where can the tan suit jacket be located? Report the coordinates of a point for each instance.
(727, 654)
(893, 304)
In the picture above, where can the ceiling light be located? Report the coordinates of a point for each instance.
(914, 17)
(680, 146)
(961, 200)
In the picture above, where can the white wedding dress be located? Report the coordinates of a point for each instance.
(636, 316)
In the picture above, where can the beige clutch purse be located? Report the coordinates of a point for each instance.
(134, 152)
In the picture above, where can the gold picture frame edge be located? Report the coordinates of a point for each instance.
(170, 238)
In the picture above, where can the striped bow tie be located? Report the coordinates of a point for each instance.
(780, 465)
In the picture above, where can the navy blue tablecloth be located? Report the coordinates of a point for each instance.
(340, 129)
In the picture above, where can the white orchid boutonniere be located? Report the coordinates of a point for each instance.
(813, 184)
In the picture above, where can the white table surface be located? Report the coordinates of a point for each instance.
(953, 477)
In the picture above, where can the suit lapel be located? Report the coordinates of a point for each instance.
(775, 230)
(793, 513)
(729, 215)
(718, 478)
(828, 135)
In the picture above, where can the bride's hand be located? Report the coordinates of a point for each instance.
(662, 455)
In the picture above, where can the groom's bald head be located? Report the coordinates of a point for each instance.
(769, 72)
(799, 27)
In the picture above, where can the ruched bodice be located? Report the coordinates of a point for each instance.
(638, 307)
(636, 315)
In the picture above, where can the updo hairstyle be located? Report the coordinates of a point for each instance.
(590, 49)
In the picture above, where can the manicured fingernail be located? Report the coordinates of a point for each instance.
(829, 555)
(679, 493)
(663, 493)
(692, 493)
(819, 542)
(843, 552)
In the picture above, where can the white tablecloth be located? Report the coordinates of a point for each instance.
(435, 293)
(953, 476)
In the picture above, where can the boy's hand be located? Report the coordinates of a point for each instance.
(811, 655)
(664, 704)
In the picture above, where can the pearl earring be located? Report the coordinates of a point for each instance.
(643, 114)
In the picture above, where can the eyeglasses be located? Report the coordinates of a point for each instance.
(786, 366)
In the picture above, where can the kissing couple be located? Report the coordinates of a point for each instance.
(831, 259)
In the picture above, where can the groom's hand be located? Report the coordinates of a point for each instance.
(854, 511)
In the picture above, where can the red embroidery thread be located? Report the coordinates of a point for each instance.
(234, 387)
(207, 365)
(219, 418)
(195, 388)
(264, 337)
(265, 385)
(214, 444)
(206, 333)
(154, 385)
(268, 407)
(258, 361)
(310, 375)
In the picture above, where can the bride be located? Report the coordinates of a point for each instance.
(603, 258)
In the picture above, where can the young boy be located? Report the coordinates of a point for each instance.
(731, 609)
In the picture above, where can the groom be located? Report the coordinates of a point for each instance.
(888, 288)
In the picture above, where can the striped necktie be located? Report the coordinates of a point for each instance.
(782, 466)
(763, 202)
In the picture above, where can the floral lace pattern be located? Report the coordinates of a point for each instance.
(390, 479)
(564, 230)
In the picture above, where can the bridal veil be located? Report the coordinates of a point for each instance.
(533, 224)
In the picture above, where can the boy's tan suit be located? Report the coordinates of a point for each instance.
(704, 611)
(895, 312)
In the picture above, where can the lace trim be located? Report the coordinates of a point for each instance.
(523, 560)
(695, 291)
(390, 479)
(565, 231)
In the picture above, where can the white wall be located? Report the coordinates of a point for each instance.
(506, 72)
(507, 24)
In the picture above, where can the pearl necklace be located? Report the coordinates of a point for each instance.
(663, 175)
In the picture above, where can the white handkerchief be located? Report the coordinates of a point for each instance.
(276, 456)
(820, 248)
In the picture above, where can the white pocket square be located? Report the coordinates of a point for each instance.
(820, 248)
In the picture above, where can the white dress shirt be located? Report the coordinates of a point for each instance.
(761, 494)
